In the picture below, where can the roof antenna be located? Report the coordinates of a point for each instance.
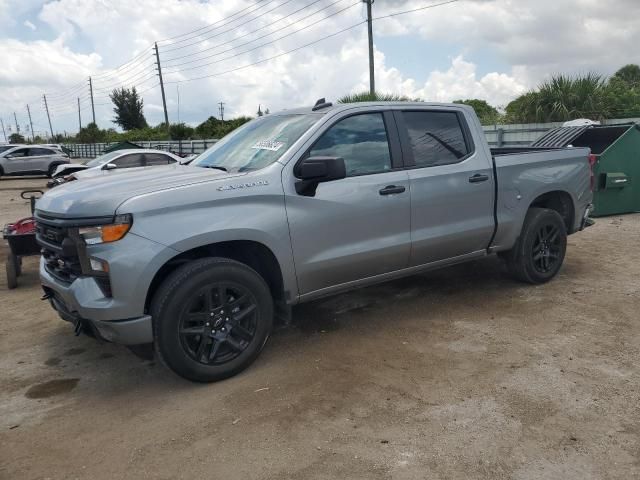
(321, 103)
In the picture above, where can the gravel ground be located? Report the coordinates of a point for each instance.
(459, 373)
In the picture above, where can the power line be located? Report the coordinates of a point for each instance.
(224, 24)
(415, 9)
(129, 82)
(251, 32)
(263, 44)
(270, 58)
(210, 25)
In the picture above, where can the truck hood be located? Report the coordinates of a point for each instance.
(101, 195)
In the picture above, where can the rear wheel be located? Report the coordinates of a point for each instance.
(538, 255)
(212, 317)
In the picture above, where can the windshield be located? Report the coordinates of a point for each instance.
(256, 144)
(102, 159)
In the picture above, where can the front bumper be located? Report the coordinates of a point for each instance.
(121, 317)
(133, 331)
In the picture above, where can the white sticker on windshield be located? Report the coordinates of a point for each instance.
(271, 145)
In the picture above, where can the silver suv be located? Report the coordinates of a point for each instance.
(31, 160)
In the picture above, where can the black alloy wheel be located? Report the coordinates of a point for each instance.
(546, 248)
(219, 323)
(539, 252)
(211, 318)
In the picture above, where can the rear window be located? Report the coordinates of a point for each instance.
(436, 138)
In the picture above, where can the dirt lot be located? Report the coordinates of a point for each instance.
(459, 373)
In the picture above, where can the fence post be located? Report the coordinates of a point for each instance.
(500, 137)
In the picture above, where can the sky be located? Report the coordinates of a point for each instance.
(271, 52)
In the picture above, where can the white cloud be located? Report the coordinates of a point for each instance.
(533, 38)
(30, 25)
(460, 81)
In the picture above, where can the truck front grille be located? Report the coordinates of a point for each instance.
(59, 251)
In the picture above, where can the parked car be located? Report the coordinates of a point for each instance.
(292, 206)
(117, 160)
(31, 160)
(4, 148)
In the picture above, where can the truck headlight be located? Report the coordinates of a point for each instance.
(111, 232)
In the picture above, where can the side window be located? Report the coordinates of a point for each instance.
(21, 152)
(129, 161)
(35, 152)
(157, 159)
(436, 138)
(361, 140)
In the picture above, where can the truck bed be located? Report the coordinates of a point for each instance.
(523, 174)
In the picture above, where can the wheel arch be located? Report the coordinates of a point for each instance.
(560, 201)
(249, 252)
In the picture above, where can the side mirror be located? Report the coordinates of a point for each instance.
(314, 170)
(109, 166)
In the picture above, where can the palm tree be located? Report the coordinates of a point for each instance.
(376, 97)
(562, 98)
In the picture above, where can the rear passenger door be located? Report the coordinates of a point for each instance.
(452, 186)
(39, 158)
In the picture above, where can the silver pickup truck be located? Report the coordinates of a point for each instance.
(198, 259)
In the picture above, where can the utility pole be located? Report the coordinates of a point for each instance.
(372, 78)
(3, 131)
(164, 101)
(221, 108)
(178, 92)
(33, 135)
(79, 117)
(46, 107)
(93, 110)
(17, 126)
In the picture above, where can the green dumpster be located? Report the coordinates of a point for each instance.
(617, 169)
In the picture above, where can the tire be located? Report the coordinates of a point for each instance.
(539, 252)
(194, 336)
(12, 271)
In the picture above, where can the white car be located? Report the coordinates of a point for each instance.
(30, 160)
(117, 160)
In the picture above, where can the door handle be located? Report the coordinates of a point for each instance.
(477, 178)
(391, 189)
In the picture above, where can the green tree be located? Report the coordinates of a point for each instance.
(629, 75)
(376, 97)
(214, 128)
(562, 98)
(487, 114)
(16, 138)
(623, 92)
(91, 134)
(128, 109)
(181, 131)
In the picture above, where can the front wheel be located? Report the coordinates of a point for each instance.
(212, 317)
(540, 250)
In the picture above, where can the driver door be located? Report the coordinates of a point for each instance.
(17, 161)
(359, 226)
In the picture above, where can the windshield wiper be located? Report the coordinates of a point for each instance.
(216, 167)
